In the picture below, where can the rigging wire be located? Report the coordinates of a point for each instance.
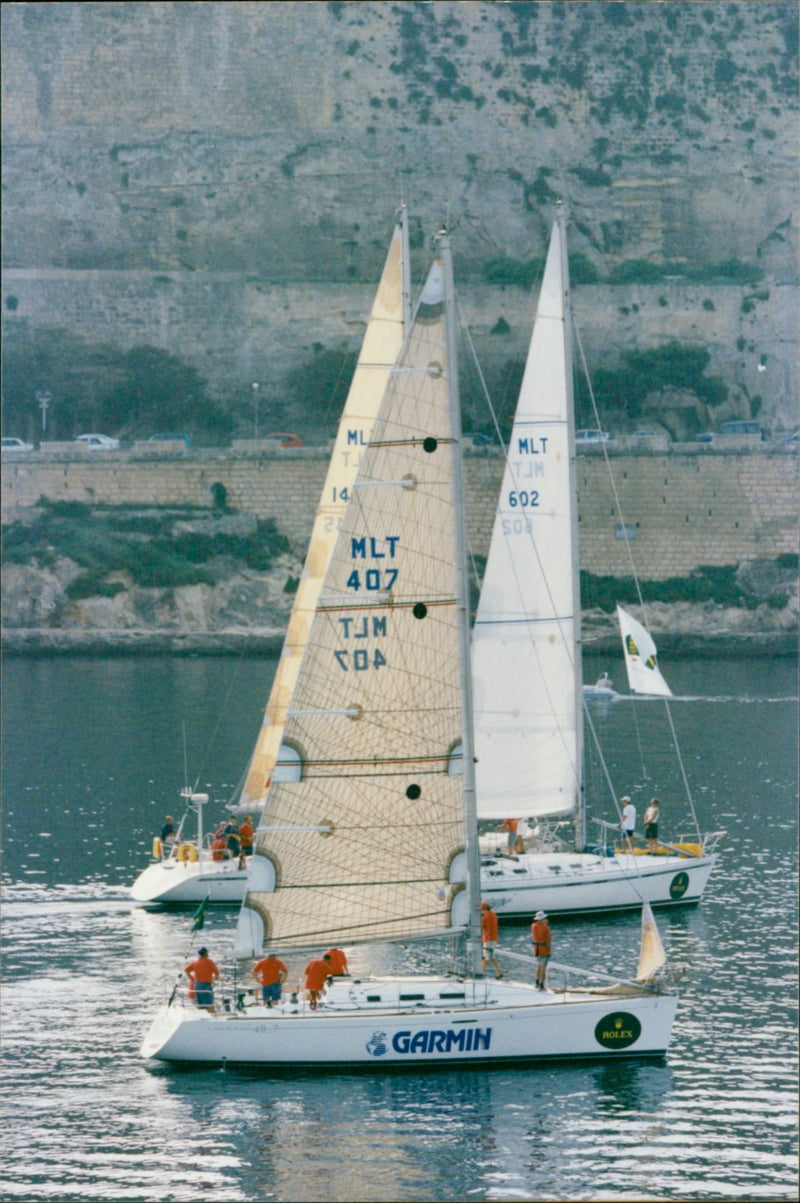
(634, 574)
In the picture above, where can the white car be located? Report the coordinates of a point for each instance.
(16, 445)
(98, 442)
(591, 438)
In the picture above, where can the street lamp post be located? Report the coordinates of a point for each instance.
(44, 400)
(254, 387)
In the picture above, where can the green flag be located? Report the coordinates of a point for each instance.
(200, 915)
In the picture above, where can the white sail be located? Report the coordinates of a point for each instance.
(365, 845)
(644, 675)
(527, 689)
(652, 956)
(382, 342)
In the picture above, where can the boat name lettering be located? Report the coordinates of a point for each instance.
(528, 446)
(357, 438)
(523, 497)
(362, 628)
(618, 1030)
(465, 1040)
(360, 551)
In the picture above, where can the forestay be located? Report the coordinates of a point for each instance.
(365, 846)
(526, 682)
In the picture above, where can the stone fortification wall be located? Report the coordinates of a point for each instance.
(682, 510)
(218, 180)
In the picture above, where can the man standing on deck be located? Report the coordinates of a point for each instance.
(628, 823)
(489, 934)
(203, 972)
(540, 934)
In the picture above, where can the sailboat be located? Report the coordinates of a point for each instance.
(529, 716)
(186, 873)
(375, 840)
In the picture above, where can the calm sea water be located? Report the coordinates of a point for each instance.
(95, 753)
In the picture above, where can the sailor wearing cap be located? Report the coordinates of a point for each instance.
(540, 934)
(628, 822)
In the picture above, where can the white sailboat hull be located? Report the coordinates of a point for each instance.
(558, 883)
(565, 883)
(182, 883)
(492, 1021)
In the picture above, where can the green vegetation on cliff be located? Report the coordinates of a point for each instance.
(161, 548)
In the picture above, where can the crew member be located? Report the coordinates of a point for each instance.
(317, 973)
(338, 962)
(272, 973)
(540, 934)
(489, 933)
(203, 972)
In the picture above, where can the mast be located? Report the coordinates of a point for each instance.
(580, 800)
(468, 748)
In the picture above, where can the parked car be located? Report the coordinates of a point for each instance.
(98, 442)
(282, 440)
(169, 438)
(741, 428)
(477, 442)
(708, 437)
(11, 444)
(591, 438)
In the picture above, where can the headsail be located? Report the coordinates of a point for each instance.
(527, 688)
(644, 675)
(382, 342)
(652, 956)
(366, 844)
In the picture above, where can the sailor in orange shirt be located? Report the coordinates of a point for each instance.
(317, 973)
(338, 960)
(246, 836)
(272, 973)
(489, 933)
(540, 934)
(219, 848)
(203, 972)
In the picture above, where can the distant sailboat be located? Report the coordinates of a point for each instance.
(186, 873)
(526, 656)
(375, 839)
(644, 675)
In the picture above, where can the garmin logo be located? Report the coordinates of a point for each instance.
(466, 1040)
(618, 1030)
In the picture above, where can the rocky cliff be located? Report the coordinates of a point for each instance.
(217, 180)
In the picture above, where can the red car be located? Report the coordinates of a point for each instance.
(283, 440)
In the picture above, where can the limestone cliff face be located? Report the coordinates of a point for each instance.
(219, 179)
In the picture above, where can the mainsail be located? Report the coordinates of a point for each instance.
(644, 675)
(528, 735)
(382, 342)
(366, 844)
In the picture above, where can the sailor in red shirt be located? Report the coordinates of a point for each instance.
(540, 934)
(510, 826)
(489, 933)
(219, 848)
(203, 972)
(317, 973)
(272, 973)
(246, 836)
(338, 960)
